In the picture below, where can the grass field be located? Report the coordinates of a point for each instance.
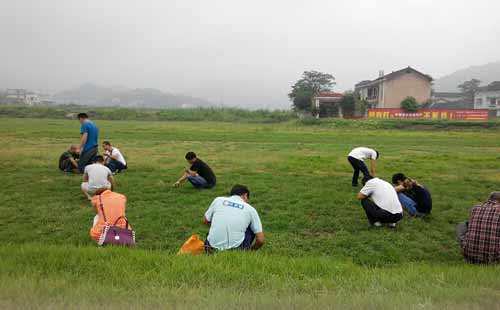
(320, 251)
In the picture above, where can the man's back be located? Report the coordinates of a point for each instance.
(362, 153)
(204, 171)
(383, 195)
(230, 217)
(92, 134)
(482, 240)
(98, 175)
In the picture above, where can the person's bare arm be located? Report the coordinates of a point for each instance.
(373, 167)
(259, 241)
(184, 177)
(361, 196)
(400, 188)
(85, 177)
(83, 140)
(73, 162)
(112, 181)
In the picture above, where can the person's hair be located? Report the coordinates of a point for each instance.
(378, 154)
(240, 190)
(495, 196)
(398, 177)
(82, 115)
(190, 155)
(106, 143)
(366, 179)
(99, 159)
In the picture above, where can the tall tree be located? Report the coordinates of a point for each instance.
(309, 86)
(468, 89)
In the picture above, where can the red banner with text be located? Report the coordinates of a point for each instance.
(432, 114)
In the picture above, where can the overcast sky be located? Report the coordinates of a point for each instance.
(237, 52)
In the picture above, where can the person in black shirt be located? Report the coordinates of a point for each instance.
(200, 175)
(415, 198)
(68, 161)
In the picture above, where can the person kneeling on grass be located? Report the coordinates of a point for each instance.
(113, 158)
(200, 175)
(415, 198)
(97, 177)
(381, 203)
(356, 158)
(234, 224)
(68, 161)
(480, 236)
(114, 205)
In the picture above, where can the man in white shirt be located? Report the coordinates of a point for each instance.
(234, 224)
(381, 203)
(113, 158)
(97, 178)
(357, 157)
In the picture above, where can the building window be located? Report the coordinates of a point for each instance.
(493, 102)
(479, 101)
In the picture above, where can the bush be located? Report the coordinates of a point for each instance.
(409, 104)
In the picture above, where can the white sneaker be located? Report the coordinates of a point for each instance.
(392, 225)
(377, 224)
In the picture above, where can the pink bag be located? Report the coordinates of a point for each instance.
(115, 235)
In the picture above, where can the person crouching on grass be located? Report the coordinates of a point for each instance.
(415, 198)
(97, 177)
(381, 203)
(113, 158)
(68, 161)
(356, 158)
(200, 175)
(234, 224)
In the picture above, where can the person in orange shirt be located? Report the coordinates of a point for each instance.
(114, 206)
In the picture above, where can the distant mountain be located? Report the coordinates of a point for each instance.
(485, 73)
(93, 95)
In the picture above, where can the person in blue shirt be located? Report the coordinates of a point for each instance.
(88, 141)
(234, 223)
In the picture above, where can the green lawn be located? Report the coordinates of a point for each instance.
(320, 251)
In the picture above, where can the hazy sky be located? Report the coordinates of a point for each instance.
(237, 52)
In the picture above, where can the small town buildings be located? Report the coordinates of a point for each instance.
(388, 90)
(488, 97)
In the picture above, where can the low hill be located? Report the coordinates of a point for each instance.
(485, 73)
(94, 95)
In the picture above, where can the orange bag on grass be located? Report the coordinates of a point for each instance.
(194, 246)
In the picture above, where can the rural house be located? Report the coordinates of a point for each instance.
(488, 97)
(328, 104)
(387, 91)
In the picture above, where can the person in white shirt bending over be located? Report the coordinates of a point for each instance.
(113, 158)
(234, 224)
(356, 158)
(96, 178)
(381, 203)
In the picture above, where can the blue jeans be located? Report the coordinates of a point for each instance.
(408, 204)
(198, 181)
(115, 165)
(244, 246)
(86, 158)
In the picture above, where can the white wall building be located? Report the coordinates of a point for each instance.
(488, 97)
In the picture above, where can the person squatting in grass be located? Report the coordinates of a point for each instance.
(113, 158)
(68, 161)
(114, 206)
(234, 223)
(381, 203)
(415, 198)
(97, 177)
(356, 158)
(200, 175)
(88, 141)
(479, 237)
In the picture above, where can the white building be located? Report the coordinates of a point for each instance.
(488, 97)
